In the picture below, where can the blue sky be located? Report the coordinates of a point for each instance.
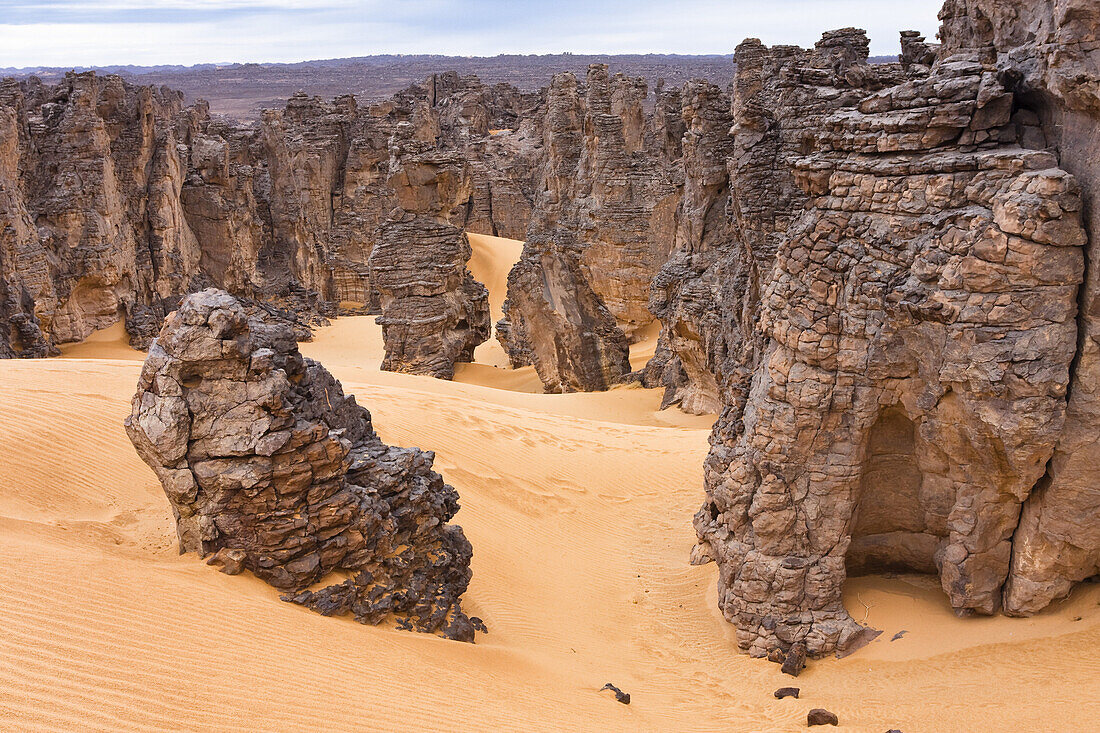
(101, 32)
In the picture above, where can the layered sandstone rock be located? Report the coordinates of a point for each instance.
(115, 202)
(433, 311)
(1048, 54)
(684, 294)
(901, 386)
(601, 228)
(91, 225)
(270, 468)
(740, 197)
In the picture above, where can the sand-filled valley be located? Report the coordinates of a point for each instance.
(579, 510)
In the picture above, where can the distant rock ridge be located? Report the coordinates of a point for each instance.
(270, 468)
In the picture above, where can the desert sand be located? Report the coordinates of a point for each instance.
(579, 510)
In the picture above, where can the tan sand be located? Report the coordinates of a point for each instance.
(490, 263)
(579, 510)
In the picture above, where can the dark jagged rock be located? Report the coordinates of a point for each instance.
(795, 661)
(783, 692)
(270, 468)
(623, 697)
(821, 716)
(915, 51)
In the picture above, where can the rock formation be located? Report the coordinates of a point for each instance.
(905, 260)
(115, 201)
(882, 276)
(270, 468)
(602, 226)
(684, 294)
(90, 219)
(433, 311)
(1048, 55)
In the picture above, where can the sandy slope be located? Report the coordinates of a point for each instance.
(578, 507)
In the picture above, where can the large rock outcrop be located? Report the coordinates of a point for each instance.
(433, 311)
(91, 225)
(602, 226)
(740, 197)
(115, 201)
(1048, 54)
(898, 390)
(269, 467)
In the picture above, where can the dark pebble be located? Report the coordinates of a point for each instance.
(623, 697)
(796, 659)
(821, 716)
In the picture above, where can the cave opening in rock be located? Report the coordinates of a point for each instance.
(1030, 119)
(888, 526)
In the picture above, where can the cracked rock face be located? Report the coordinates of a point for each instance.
(269, 467)
(740, 197)
(434, 313)
(601, 228)
(1049, 54)
(90, 219)
(116, 201)
(685, 293)
(901, 386)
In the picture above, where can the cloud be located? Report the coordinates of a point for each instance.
(77, 32)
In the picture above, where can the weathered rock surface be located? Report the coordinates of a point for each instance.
(684, 295)
(433, 311)
(740, 197)
(90, 217)
(115, 202)
(270, 468)
(894, 366)
(1049, 55)
(601, 227)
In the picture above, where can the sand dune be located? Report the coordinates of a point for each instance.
(579, 510)
(490, 263)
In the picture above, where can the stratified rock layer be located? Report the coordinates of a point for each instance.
(91, 225)
(601, 227)
(270, 468)
(115, 201)
(1048, 54)
(898, 390)
(685, 293)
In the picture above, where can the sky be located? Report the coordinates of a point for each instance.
(148, 32)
